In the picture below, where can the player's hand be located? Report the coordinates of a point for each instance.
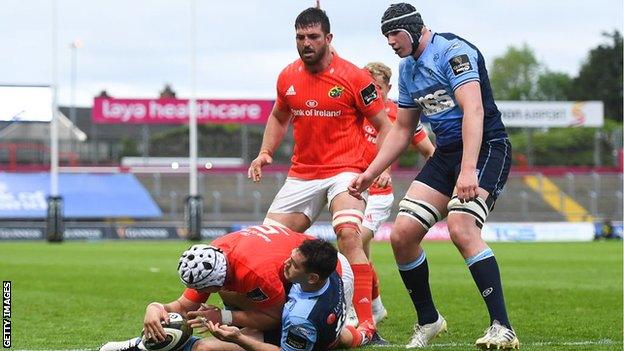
(255, 169)
(467, 185)
(360, 183)
(155, 314)
(206, 313)
(384, 180)
(224, 332)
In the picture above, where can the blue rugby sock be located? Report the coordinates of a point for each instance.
(484, 270)
(415, 277)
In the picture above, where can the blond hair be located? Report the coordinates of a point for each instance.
(378, 69)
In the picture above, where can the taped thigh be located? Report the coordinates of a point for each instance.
(423, 212)
(477, 208)
(347, 219)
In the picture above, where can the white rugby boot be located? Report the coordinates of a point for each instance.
(424, 333)
(133, 344)
(498, 337)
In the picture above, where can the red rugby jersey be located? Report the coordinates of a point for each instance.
(328, 110)
(256, 257)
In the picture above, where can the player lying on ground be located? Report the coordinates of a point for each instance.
(247, 269)
(314, 315)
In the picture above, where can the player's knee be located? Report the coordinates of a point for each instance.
(349, 244)
(420, 211)
(347, 222)
(399, 238)
(478, 209)
(459, 235)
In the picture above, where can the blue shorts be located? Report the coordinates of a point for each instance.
(442, 169)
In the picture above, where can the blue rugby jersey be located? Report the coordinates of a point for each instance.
(313, 320)
(429, 83)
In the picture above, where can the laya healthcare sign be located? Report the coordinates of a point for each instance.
(539, 114)
(176, 111)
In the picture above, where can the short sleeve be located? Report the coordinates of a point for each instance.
(298, 334)
(195, 295)
(419, 135)
(367, 96)
(460, 63)
(264, 291)
(280, 101)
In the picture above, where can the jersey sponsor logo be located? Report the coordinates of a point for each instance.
(369, 129)
(436, 102)
(315, 113)
(460, 64)
(257, 295)
(335, 91)
(311, 103)
(291, 91)
(369, 94)
(296, 341)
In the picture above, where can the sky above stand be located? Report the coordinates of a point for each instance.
(133, 48)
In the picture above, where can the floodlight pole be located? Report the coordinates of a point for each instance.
(54, 220)
(74, 46)
(194, 205)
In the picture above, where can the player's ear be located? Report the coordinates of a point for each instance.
(329, 38)
(313, 278)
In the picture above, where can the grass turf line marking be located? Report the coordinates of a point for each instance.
(446, 345)
(536, 343)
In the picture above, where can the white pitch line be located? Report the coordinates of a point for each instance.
(536, 343)
(444, 345)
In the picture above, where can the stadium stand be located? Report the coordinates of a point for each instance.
(231, 196)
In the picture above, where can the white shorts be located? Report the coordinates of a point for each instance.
(347, 279)
(309, 196)
(377, 211)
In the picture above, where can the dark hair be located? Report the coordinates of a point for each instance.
(312, 16)
(321, 257)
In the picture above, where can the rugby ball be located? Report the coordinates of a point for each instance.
(178, 333)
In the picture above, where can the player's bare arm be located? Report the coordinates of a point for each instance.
(424, 146)
(257, 319)
(235, 335)
(469, 99)
(400, 134)
(382, 124)
(155, 313)
(276, 127)
(267, 318)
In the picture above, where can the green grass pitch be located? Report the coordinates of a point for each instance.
(560, 296)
